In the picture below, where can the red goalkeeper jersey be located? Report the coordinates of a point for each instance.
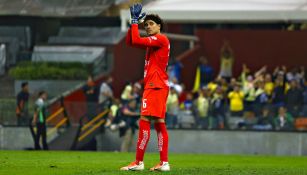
(156, 60)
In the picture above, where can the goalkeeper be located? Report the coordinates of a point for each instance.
(156, 85)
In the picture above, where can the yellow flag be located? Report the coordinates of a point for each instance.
(197, 80)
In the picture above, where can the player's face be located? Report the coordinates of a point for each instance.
(26, 88)
(45, 96)
(151, 27)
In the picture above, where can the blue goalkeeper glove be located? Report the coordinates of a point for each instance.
(135, 11)
(141, 18)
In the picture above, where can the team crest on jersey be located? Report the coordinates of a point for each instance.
(151, 84)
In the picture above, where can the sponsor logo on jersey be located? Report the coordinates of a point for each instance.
(154, 38)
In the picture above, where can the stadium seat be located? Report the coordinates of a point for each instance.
(301, 123)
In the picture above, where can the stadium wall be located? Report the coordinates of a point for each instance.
(15, 138)
(255, 48)
(19, 138)
(128, 66)
(219, 142)
(186, 141)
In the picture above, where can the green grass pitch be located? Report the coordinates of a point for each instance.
(101, 163)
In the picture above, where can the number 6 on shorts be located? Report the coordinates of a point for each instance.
(144, 103)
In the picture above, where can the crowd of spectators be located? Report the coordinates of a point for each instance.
(259, 100)
(256, 100)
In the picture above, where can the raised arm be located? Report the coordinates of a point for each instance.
(151, 41)
(129, 40)
(128, 37)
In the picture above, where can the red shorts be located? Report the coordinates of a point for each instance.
(154, 102)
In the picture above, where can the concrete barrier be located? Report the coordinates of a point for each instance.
(18, 138)
(186, 141)
(15, 138)
(219, 142)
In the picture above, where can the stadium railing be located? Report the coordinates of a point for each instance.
(88, 128)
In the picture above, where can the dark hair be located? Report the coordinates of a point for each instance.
(156, 18)
(41, 93)
(24, 84)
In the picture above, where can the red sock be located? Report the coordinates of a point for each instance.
(144, 135)
(162, 141)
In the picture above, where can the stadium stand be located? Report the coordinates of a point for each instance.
(71, 128)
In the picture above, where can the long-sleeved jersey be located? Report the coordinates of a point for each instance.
(156, 60)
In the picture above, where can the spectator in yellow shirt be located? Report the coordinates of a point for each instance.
(268, 85)
(236, 98)
(172, 108)
(202, 106)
